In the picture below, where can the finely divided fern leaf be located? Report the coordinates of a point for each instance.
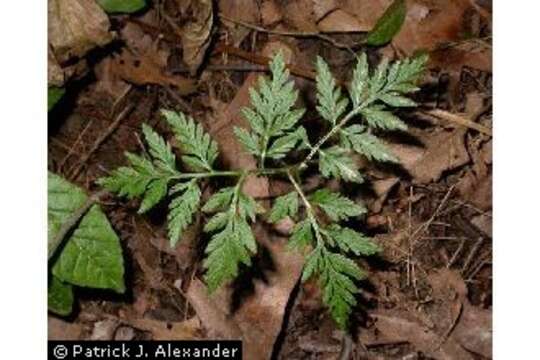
(271, 115)
(286, 205)
(200, 151)
(349, 240)
(335, 206)
(336, 162)
(182, 208)
(354, 137)
(274, 132)
(234, 243)
(331, 102)
(160, 150)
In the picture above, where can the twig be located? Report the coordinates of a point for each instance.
(301, 34)
(225, 67)
(70, 223)
(185, 106)
(114, 125)
(425, 225)
(473, 252)
(479, 267)
(75, 144)
(346, 347)
(459, 119)
(456, 253)
(263, 60)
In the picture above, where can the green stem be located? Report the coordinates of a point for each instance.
(334, 130)
(309, 210)
(233, 173)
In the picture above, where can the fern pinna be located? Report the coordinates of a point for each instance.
(275, 132)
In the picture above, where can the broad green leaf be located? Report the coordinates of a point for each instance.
(92, 256)
(59, 297)
(54, 94)
(64, 199)
(388, 24)
(122, 6)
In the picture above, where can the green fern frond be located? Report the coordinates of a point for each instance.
(336, 162)
(182, 208)
(348, 240)
(235, 243)
(354, 137)
(286, 205)
(332, 104)
(301, 236)
(228, 248)
(335, 206)
(200, 151)
(159, 150)
(354, 123)
(271, 115)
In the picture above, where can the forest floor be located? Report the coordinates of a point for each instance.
(428, 295)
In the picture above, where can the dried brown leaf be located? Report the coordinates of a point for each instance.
(144, 69)
(196, 34)
(164, 330)
(398, 326)
(59, 329)
(270, 13)
(76, 26)
(341, 21)
(242, 10)
(440, 152)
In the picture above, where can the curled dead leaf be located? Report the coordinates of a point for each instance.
(196, 34)
(440, 152)
(76, 26)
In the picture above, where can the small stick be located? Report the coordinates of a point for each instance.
(225, 67)
(454, 257)
(75, 144)
(75, 173)
(302, 34)
(346, 347)
(459, 119)
(263, 60)
(473, 252)
(425, 225)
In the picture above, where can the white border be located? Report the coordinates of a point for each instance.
(516, 180)
(23, 128)
(23, 161)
